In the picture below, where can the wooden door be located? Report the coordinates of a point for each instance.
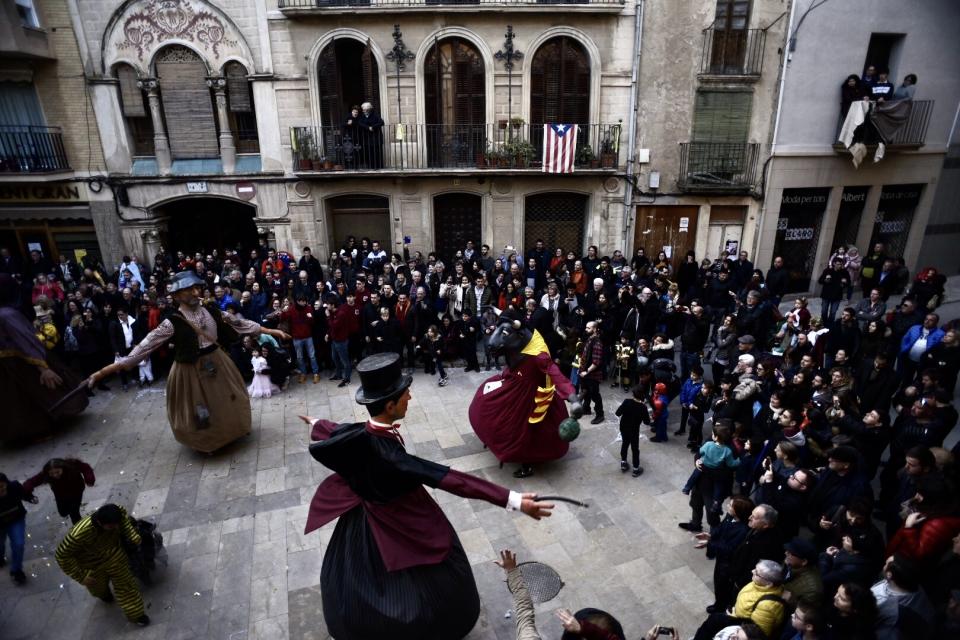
(456, 219)
(668, 228)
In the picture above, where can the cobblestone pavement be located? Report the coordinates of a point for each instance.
(239, 565)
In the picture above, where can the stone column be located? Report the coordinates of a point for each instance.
(228, 152)
(161, 145)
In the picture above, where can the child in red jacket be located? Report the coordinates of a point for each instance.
(67, 479)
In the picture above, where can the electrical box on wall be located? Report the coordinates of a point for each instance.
(643, 156)
(654, 180)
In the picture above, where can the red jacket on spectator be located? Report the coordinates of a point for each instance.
(301, 321)
(927, 541)
(52, 290)
(343, 323)
(77, 475)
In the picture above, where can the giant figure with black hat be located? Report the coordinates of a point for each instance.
(207, 402)
(394, 567)
(519, 413)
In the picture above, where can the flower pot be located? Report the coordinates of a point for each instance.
(502, 124)
(317, 165)
(338, 167)
(304, 164)
(481, 161)
(327, 165)
(608, 160)
(594, 163)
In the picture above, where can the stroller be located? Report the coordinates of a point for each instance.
(143, 559)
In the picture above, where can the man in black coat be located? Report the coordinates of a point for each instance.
(311, 265)
(841, 482)
(875, 385)
(777, 280)
(763, 542)
(742, 271)
(696, 330)
(371, 136)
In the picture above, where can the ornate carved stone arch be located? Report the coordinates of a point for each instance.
(139, 28)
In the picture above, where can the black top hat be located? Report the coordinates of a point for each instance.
(380, 378)
(185, 280)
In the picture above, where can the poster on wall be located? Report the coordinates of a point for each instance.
(731, 247)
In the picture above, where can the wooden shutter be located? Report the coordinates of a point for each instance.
(560, 83)
(238, 88)
(187, 105)
(722, 116)
(131, 96)
(328, 73)
(432, 75)
(468, 72)
(371, 77)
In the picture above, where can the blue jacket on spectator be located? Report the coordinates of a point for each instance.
(913, 333)
(689, 391)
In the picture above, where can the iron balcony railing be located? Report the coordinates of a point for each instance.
(400, 4)
(718, 166)
(427, 147)
(728, 52)
(31, 149)
(913, 133)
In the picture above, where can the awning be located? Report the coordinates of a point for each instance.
(77, 212)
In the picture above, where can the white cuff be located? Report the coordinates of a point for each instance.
(514, 501)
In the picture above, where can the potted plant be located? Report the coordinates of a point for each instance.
(327, 164)
(516, 123)
(608, 155)
(585, 157)
(502, 124)
(318, 164)
(520, 152)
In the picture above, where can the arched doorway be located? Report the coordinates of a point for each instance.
(456, 219)
(556, 218)
(360, 216)
(204, 224)
(455, 100)
(560, 88)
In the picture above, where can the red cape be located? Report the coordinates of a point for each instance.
(499, 414)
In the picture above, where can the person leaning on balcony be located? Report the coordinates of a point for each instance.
(371, 129)
(850, 91)
(882, 89)
(906, 90)
(352, 130)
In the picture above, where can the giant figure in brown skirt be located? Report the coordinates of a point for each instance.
(207, 402)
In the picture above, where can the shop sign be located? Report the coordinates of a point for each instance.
(36, 193)
(196, 187)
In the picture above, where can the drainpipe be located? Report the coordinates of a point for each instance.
(776, 125)
(633, 112)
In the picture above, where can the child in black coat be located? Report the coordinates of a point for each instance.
(632, 412)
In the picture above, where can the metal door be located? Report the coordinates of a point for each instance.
(456, 219)
(557, 219)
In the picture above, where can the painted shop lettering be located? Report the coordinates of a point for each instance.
(39, 192)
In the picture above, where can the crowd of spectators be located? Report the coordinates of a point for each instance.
(830, 503)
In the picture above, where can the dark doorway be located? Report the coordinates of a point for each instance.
(848, 218)
(895, 217)
(360, 216)
(557, 219)
(204, 224)
(883, 53)
(798, 232)
(456, 219)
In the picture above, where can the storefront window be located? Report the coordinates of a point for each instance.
(895, 216)
(848, 218)
(798, 232)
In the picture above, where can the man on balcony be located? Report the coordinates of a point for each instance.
(371, 140)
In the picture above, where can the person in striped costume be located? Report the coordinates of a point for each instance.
(92, 555)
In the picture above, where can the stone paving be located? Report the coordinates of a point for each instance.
(239, 566)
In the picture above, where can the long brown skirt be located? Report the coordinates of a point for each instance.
(25, 403)
(212, 387)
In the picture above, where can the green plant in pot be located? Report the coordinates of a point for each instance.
(520, 151)
(585, 156)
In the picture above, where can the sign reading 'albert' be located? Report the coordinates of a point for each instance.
(41, 193)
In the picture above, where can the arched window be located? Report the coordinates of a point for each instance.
(187, 103)
(560, 83)
(347, 75)
(136, 110)
(243, 118)
(453, 76)
(455, 95)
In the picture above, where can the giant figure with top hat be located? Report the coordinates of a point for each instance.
(207, 402)
(394, 567)
(520, 413)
